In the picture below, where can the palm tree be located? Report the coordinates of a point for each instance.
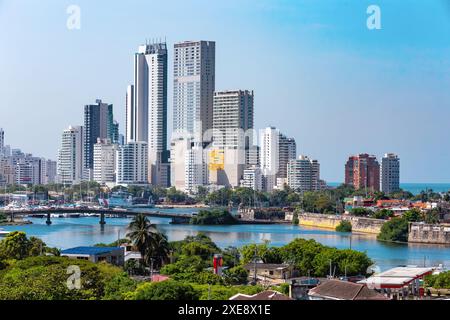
(143, 235)
(161, 251)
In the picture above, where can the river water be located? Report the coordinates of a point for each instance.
(70, 232)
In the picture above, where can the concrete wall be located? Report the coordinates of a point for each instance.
(363, 225)
(428, 233)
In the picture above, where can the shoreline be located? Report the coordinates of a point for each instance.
(15, 223)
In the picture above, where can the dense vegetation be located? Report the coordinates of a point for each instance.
(213, 217)
(28, 272)
(344, 226)
(438, 281)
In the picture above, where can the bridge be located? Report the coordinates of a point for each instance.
(12, 214)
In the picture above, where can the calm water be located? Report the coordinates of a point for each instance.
(414, 188)
(65, 233)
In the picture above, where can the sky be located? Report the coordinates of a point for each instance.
(318, 73)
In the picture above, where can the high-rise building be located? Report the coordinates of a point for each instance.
(287, 152)
(98, 123)
(132, 164)
(232, 135)
(70, 156)
(390, 173)
(50, 171)
(252, 178)
(363, 172)
(232, 118)
(2, 142)
(195, 168)
(7, 172)
(269, 144)
(130, 127)
(194, 85)
(105, 161)
(303, 174)
(147, 108)
(116, 133)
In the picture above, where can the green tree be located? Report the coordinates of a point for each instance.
(236, 275)
(15, 246)
(119, 287)
(395, 230)
(214, 217)
(383, 214)
(166, 290)
(148, 240)
(344, 226)
(360, 212)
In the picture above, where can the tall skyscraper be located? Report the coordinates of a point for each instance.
(303, 174)
(147, 108)
(232, 117)
(288, 151)
(232, 137)
(194, 85)
(390, 173)
(2, 141)
(269, 155)
(98, 123)
(130, 128)
(363, 172)
(70, 156)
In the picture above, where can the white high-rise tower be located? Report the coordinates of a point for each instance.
(147, 108)
(390, 173)
(70, 157)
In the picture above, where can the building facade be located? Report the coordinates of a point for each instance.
(132, 164)
(232, 135)
(390, 173)
(105, 161)
(194, 86)
(147, 108)
(252, 178)
(303, 174)
(70, 156)
(363, 172)
(98, 123)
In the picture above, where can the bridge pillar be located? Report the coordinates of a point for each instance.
(48, 222)
(11, 217)
(102, 219)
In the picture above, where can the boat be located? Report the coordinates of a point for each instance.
(123, 199)
(3, 233)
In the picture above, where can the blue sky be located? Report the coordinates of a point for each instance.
(319, 74)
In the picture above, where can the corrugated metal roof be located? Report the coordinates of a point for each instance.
(92, 251)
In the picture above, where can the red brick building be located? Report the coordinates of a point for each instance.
(363, 171)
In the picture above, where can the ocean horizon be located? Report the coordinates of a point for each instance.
(414, 188)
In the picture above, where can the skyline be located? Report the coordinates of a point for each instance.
(399, 77)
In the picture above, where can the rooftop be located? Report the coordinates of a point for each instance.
(396, 277)
(272, 266)
(344, 290)
(92, 251)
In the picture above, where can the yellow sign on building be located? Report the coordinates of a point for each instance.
(216, 160)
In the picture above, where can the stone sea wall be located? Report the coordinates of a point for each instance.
(363, 225)
(429, 233)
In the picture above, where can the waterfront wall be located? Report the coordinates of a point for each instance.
(429, 233)
(359, 224)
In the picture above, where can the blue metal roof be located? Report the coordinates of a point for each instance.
(92, 251)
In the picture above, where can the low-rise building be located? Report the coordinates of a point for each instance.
(269, 270)
(113, 255)
(343, 290)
